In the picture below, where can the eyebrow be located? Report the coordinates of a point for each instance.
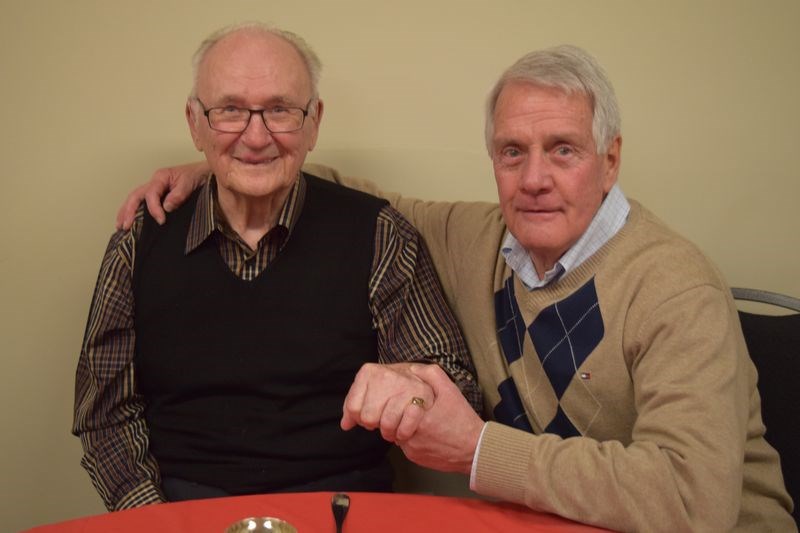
(571, 136)
(500, 142)
(278, 100)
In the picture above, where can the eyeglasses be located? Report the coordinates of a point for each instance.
(277, 119)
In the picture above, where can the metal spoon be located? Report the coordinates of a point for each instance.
(340, 503)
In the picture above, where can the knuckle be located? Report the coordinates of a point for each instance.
(368, 369)
(387, 431)
(369, 419)
(431, 370)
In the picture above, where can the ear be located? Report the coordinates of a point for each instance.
(316, 118)
(191, 119)
(611, 162)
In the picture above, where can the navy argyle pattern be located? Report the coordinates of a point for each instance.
(510, 326)
(510, 411)
(563, 335)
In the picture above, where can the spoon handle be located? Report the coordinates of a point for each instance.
(340, 504)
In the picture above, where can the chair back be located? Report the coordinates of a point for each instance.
(774, 345)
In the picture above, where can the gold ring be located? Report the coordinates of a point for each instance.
(416, 400)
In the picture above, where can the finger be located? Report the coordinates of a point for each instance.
(153, 199)
(432, 374)
(348, 421)
(180, 181)
(178, 193)
(373, 406)
(351, 408)
(412, 416)
(127, 211)
(391, 418)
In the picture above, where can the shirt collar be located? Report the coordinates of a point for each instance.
(208, 217)
(608, 220)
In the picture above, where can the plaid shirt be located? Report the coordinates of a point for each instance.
(409, 312)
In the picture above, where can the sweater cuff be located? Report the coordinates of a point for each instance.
(143, 494)
(503, 463)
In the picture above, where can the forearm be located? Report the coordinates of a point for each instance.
(641, 487)
(429, 333)
(110, 423)
(413, 319)
(108, 413)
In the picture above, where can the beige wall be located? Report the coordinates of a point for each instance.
(92, 101)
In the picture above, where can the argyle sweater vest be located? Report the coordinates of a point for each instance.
(244, 381)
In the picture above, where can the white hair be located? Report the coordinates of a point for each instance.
(571, 69)
(310, 59)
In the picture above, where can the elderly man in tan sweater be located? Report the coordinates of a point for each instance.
(618, 387)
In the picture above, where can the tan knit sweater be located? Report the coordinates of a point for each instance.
(665, 401)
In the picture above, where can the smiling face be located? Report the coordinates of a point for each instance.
(550, 178)
(254, 70)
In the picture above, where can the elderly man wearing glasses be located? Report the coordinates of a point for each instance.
(221, 345)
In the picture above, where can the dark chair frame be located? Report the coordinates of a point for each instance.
(769, 340)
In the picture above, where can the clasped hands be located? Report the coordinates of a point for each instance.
(417, 407)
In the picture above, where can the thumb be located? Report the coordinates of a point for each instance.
(431, 374)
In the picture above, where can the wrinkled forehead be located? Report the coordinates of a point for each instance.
(254, 62)
(525, 99)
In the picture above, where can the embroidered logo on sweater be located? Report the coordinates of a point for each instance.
(563, 336)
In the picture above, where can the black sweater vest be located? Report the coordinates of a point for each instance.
(243, 382)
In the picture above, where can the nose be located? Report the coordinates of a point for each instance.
(256, 134)
(536, 173)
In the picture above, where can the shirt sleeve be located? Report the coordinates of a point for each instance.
(108, 412)
(409, 310)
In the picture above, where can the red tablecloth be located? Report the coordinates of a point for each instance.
(311, 513)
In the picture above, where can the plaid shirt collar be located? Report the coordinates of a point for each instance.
(208, 216)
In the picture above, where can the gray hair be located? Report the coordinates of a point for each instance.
(310, 59)
(571, 69)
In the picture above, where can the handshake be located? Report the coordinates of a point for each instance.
(417, 407)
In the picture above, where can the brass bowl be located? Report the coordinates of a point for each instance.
(260, 524)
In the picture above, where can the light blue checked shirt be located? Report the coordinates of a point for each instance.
(606, 223)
